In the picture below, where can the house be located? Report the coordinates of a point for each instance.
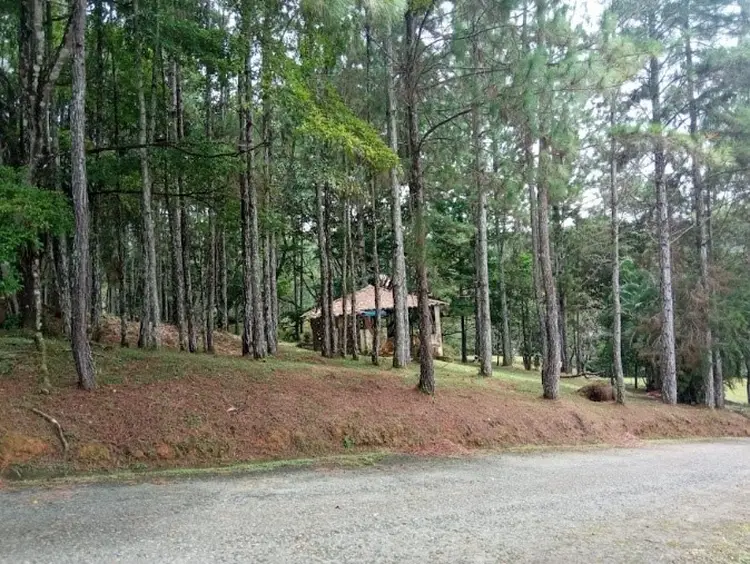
(364, 304)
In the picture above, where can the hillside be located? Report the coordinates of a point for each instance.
(170, 409)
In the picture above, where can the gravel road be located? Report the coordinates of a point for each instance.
(659, 503)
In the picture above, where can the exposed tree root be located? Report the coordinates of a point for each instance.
(57, 427)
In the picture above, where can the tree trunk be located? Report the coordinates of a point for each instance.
(345, 282)
(551, 365)
(615, 227)
(62, 275)
(718, 363)
(183, 220)
(150, 319)
(259, 344)
(247, 260)
(352, 285)
(211, 282)
(417, 190)
(526, 336)
(210, 278)
(175, 224)
(528, 165)
(273, 276)
(81, 269)
(464, 351)
(96, 228)
(401, 344)
(668, 357)
(269, 240)
(122, 266)
(268, 313)
(223, 299)
(41, 347)
(507, 345)
(376, 274)
(563, 328)
(187, 270)
(325, 275)
(333, 328)
(709, 394)
(484, 321)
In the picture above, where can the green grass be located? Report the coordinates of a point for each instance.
(117, 365)
(736, 394)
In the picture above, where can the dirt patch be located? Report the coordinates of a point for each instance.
(224, 343)
(18, 449)
(289, 408)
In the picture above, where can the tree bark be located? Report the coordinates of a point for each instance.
(526, 336)
(122, 265)
(174, 210)
(376, 273)
(210, 292)
(551, 365)
(352, 284)
(247, 260)
(151, 314)
(345, 282)
(507, 345)
(331, 320)
(718, 378)
(41, 346)
(401, 344)
(464, 351)
(253, 241)
(62, 275)
(563, 325)
(528, 165)
(223, 298)
(325, 274)
(273, 279)
(267, 274)
(211, 282)
(484, 321)
(668, 357)
(709, 394)
(81, 269)
(417, 190)
(269, 238)
(615, 230)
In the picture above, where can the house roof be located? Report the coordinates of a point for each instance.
(364, 300)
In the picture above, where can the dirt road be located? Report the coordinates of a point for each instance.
(664, 502)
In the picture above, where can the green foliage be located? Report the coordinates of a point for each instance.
(26, 213)
(329, 121)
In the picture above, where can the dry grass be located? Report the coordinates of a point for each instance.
(171, 409)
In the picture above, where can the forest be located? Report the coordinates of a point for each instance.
(569, 177)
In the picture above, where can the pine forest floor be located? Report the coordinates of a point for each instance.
(166, 409)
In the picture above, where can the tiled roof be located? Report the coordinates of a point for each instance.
(364, 300)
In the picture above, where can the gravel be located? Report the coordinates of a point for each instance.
(663, 502)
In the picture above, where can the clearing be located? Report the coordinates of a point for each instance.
(169, 409)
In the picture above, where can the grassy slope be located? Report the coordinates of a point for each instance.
(167, 409)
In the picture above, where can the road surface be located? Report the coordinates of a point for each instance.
(660, 503)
